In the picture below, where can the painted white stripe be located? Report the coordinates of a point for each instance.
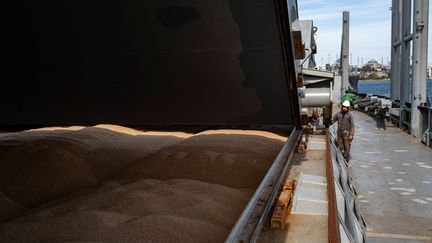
(420, 201)
(403, 189)
(371, 152)
(399, 236)
(312, 200)
(426, 166)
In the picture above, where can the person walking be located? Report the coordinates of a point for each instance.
(345, 131)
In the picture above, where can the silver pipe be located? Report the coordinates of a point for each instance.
(316, 97)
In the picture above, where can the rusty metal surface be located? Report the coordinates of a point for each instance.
(333, 224)
(149, 62)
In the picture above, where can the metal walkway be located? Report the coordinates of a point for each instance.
(393, 177)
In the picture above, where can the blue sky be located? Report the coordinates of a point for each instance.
(370, 28)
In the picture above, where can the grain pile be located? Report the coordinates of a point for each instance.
(226, 157)
(110, 183)
(40, 165)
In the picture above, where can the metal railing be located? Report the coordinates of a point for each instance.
(427, 124)
(402, 118)
(350, 225)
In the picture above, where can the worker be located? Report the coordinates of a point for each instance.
(345, 131)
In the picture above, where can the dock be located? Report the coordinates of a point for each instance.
(393, 177)
(211, 121)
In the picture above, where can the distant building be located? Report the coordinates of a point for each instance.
(371, 70)
(374, 65)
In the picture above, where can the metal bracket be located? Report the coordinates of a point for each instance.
(408, 38)
(397, 43)
(420, 26)
(307, 56)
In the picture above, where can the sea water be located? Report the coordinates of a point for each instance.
(383, 87)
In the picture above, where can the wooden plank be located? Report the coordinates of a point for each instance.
(282, 206)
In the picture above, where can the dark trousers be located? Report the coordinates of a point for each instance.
(344, 143)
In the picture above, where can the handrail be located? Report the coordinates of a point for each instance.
(333, 225)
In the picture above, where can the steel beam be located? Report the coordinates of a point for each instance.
(345, 53)
(420, 45)
(405, 53)
(395, 50)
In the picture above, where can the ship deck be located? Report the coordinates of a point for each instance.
(393, 177)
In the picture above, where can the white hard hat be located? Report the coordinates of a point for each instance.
(346, 103)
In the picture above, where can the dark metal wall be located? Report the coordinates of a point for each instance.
(148, 62)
